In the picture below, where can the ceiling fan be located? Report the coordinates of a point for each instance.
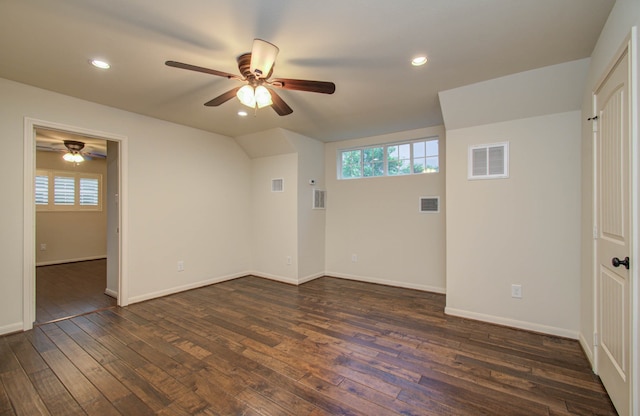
(256, 68)
(74, 151)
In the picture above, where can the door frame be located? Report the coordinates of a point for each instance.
(29, 222)
(629, 45)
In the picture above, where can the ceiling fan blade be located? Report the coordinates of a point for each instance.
(201, 69)
(223, 98)
(263, 56)
(279, 105)
(304, 85)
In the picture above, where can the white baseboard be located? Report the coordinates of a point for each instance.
(309, 278)
(111, 293)
(52, 262)
(424, 288)
(11, 328)
(586, 347)
(178, 289)
(499, 320)
(282, 279)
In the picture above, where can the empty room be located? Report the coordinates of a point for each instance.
(278, 207)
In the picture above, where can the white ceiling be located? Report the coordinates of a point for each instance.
(364, 46)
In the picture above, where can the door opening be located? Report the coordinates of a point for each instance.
(113, 222)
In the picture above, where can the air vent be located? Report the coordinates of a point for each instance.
(319, 198)
(277, 185)
(430, 204)
(489, 161)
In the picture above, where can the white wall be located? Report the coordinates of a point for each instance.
(71, 235)
(378, 219)
(625, 15)
(521, 230)
(188, 197)
(311, 222)
(274, 218)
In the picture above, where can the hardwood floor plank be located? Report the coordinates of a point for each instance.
(251, 346)
(23, 395)
(81, 389)
(54, 394)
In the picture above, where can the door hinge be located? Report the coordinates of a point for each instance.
(595, 232)
(596, 341)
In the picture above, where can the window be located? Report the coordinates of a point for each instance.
(415, 157)
(67, 191)
(489, 161)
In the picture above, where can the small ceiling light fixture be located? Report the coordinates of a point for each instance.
(242, 113)
(73, 154)
(419, 60)
(98, 63)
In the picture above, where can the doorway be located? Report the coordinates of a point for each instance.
(114, 204)
(74, 175)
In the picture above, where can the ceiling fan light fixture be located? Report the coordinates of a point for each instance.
(73, 157)
(73, 154)
(263, 55)
(247, 96)
(262, 96)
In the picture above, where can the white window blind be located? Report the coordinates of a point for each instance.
(64, 190)
(42, 190)
(89, 191)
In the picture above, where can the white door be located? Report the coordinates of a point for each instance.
(614, 233)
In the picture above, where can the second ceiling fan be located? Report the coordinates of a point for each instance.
(256, 68)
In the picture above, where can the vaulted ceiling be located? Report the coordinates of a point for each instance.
(363, 46)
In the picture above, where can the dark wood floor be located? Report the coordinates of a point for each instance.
(256, 347)
(70, 289)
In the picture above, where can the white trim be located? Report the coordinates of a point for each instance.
(586, 348)
(634, 365)
(423, 288)
(29, 263)
(183, 288)
(302, 280)
(111, 293)
(282, 279)
(11, 328)
(63, 261)
(513, 323)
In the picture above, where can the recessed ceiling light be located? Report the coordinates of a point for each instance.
(419, 60)
(100, 64)
(242, 113)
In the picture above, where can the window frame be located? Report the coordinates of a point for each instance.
(51, 206)
(385, 151)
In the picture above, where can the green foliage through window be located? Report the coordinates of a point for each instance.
(415, 157)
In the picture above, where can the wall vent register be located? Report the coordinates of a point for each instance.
(277, 185)
(319, 198)
(430, 204)
(489, 161)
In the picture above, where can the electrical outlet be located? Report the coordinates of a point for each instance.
(180, 265)
(516, 291)
(354, 258)
(43, 246)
